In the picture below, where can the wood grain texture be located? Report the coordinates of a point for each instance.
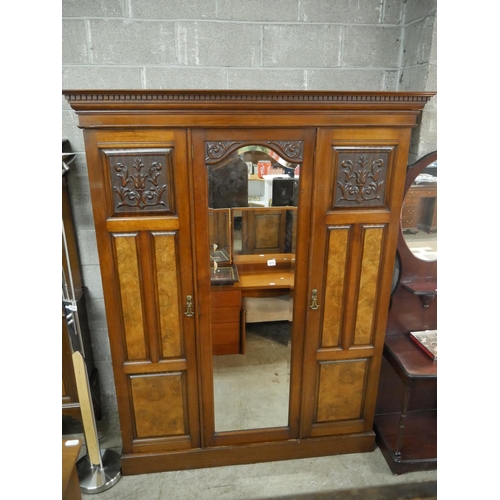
(334, 286)
(168, 294)
(332, 398)
(263, 230)
(130, 292)
(158, 404)
(341, 390)
(368, 285)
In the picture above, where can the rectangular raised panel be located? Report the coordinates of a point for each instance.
(335, 286)
(263, 231)
(368, 284)
(158, 405)
(140, 180)
(165, 255)
(361, 176)
(341, 390)
(130, 294)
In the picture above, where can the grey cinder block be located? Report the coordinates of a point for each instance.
(96, 314)
(341, 11)
(219, 44)
(71, 132)
(416, 9)
(186, 78)
(173, 9)
(81, 209)
(93, 8)
(418, 41)
(267, 78)
(87, 247)
(74, 38)
(372, 46)
(99, 77)
(91, 275)
(301, 46)
(346, 79)
(258, 10)
(393, 12)
(132, 42)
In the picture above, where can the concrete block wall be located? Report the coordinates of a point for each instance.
(233, 44)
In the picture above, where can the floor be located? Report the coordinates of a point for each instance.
(422, 244)
(265, 364)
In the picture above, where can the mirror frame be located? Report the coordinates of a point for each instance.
(413, 268)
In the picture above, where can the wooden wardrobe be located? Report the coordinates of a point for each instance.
(149, 154)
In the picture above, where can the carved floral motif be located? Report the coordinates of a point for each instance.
(289, 149)
(139, 189)
(362, 182)
(217, 150)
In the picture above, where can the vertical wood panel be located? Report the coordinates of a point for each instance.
(130, 292)
(334, 286)
(158, 404)
(168, 293)
(367, 299)
(341, 390)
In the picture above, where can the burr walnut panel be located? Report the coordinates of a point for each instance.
(341, 390)
(361, 176)
(128, 272)
(158, 405)
(140, 180)
(368, 284)
(338, 238)
(165, 255)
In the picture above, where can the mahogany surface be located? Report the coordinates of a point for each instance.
(406, 414)
(153, 250)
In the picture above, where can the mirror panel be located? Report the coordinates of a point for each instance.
(251, 317)
(419, 215)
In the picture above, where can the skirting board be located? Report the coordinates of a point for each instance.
(247, 454)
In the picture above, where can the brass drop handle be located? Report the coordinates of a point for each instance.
(314, 298)
(189, 306)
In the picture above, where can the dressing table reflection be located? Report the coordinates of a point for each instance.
(406, 413)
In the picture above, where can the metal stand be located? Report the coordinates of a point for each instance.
(98, 470)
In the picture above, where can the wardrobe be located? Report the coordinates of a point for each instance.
(174, 289)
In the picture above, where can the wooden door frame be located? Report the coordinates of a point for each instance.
(200, 199)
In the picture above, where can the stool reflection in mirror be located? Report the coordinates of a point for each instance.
(406, 414)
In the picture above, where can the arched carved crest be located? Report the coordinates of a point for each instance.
(291, 151)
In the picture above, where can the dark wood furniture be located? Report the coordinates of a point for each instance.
(70, 482)
(420, 208)
(70, 403)
(406, 413)
(147, 154)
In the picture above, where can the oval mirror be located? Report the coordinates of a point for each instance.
(419, 214)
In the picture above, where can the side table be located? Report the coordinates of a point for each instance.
(406, 415)
(70, 481)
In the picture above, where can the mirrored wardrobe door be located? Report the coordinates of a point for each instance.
(252, 203)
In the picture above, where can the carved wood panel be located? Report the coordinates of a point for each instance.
(291, 151)
(140, 180)
(361, 177)
(158, 404)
